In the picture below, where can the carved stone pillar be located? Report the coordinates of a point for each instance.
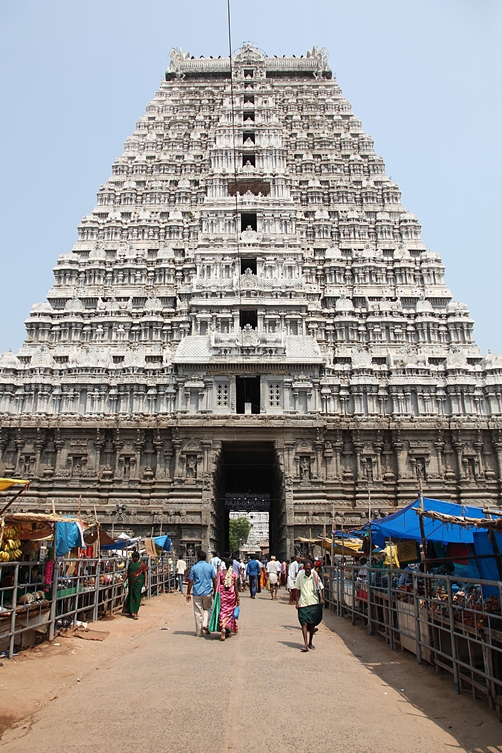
(99, 443)
(177, 450)
(168, 454)
(295, 400)
(338, 447)
(358, 447)
(4, 439)
(117, 446)
(318, 448)
(398, 446)
(206, 448)
(459, 446)
(497, 446)
(478, 446)
(377, 448)
(58, 444)
(328, 456)
(158, 444)
(439, 447)
(138, 446)
(39, 446)
(20, 443)
(289, 446)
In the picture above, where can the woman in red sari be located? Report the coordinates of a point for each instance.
(227, 585)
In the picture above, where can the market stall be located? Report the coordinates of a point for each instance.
(29, 579)
(24, 607)
(437, 604)
(56, 571)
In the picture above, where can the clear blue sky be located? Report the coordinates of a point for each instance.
(422, 75)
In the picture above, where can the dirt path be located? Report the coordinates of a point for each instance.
(152, 686)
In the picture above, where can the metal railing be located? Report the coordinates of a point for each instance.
(454, 624)
(38, 598)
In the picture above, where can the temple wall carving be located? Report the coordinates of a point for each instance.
(169, 473)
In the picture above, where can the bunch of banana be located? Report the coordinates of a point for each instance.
(13, 554)
(8, 545)
(11, 545)
(12, 532)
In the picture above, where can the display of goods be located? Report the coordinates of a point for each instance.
(492, 605)
(26, 599)
(10, 548)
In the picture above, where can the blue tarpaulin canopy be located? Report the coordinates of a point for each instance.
(119, 544)
(405, 524)
(163, 542)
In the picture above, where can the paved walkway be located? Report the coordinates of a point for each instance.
(254, 693)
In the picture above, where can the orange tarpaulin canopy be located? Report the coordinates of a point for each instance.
(6, 483)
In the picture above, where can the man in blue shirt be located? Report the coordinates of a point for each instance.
(253, 570)
(202, 580)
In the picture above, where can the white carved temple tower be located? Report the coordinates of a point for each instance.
(249, 319)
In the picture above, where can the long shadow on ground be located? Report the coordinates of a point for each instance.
(472, 723)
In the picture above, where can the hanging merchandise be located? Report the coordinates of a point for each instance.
(391, 558)
(10, 548)
(68, 536)
(408, 551)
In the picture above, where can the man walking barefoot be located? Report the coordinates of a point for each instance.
(181, 566)
(273, 571)
(309, 603)
(202, 580)
(292, 574)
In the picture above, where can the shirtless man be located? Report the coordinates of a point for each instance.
(273, 573)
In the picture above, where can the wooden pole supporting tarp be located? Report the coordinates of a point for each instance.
(6, 483)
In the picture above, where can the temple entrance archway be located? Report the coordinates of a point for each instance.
(248, 479)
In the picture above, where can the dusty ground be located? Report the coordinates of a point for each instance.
(152, 686)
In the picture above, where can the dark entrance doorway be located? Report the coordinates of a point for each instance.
(248, 391)
(248, 479)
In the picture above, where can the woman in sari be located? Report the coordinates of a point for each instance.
(263, 576)
(227, 585)
(136, 580)
(284, 573)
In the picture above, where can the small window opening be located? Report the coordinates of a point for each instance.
(249, 135)
(248, 394)
(249, 222)
(248, 316)
(248, 115)
(248, 264)
(249, 98)
(248, 73)
(249, 159)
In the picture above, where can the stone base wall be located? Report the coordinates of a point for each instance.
(146, 474)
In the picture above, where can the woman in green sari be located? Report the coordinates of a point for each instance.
(136, 580)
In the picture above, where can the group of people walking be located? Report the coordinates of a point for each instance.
(216, 601)
(214, 588)
(255, 574)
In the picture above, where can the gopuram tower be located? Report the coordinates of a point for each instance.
(249, 320)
